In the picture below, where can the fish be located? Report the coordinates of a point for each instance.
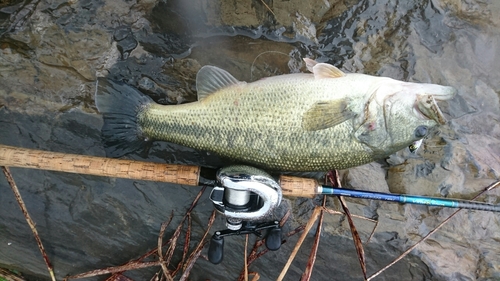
(302, 122)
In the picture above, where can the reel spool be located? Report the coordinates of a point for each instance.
(245, 195)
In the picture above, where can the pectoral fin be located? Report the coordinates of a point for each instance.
(326, 114)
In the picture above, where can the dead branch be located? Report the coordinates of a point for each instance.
(197, 252)
(308, 227)
(405, 253)
(163, 263)
(29, 220)
(333, 176)
(306, 276)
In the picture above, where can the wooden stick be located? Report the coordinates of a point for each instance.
(246, 258)
(306, 276)
(308, 227)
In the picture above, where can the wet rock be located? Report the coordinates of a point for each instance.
(126, 41)
(61, 49)
(153, 90)
(367, 177)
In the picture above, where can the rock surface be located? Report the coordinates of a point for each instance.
(52, 51)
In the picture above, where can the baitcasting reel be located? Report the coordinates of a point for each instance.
(245, 196)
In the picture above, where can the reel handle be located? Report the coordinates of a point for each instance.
(272, 237)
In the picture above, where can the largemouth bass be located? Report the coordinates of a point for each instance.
(296, 122)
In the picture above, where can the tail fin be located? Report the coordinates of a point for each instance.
(120, 104)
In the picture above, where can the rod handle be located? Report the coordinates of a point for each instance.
(99, 166)
(299, 187)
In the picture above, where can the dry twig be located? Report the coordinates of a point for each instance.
(138, 264)
(119, 277)
(256, 276)
(8, 275)
(405, 253)
(255, 253)
(29, 220)
(334, 212)
(196, 253)
(306, 276)
(187, 240)
(245, 259)
(264, 3)
(114, 269)
(308, 227)
(334, 178)
(163, 264)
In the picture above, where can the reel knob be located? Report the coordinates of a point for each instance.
(273, 238)
(216, 249)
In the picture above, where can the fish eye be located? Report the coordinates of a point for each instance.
(421, 131)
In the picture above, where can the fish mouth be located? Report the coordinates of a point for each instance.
(427, 105)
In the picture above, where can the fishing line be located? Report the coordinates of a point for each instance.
(255, 59)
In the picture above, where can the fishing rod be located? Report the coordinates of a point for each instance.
(190, 175)
(399, 198)
(244, 195)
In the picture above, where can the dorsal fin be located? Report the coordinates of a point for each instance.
(210, 79)
(310, 64)
(323, 70)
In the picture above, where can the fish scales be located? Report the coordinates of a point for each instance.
(296, 122)
(260, 123)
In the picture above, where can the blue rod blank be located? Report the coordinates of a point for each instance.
(410, 199)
